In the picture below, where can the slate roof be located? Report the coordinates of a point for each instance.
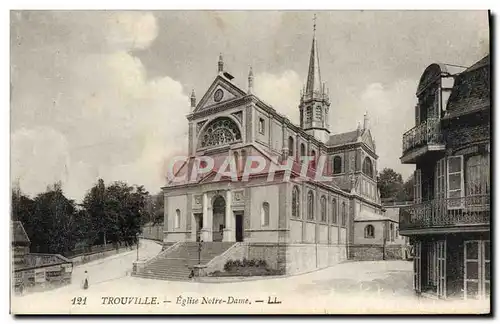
(18, 233)
(471, 90)
(343, 138)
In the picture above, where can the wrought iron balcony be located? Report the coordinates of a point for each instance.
(451, 212)
(428, 132)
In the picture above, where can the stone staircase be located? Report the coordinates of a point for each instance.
(175, 263)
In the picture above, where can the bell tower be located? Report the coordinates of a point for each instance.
(314, 101)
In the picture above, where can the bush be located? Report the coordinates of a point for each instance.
(233, 264)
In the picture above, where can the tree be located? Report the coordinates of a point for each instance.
(52, 222)
(406, 193)
(390, 183)
(94, 204)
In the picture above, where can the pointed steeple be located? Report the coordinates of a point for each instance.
(314, 101)
(314, 85)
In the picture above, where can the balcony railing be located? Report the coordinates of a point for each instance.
(428, 132)
(463, 211)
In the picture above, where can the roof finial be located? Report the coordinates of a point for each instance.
(365, 121)
(314, 25)
(221, 64)
(250, 80)
(193, 99)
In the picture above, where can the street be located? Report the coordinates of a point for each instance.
(350, 287)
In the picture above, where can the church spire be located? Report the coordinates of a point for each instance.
(314, 85)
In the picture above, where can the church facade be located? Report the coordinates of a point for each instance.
(298, 222)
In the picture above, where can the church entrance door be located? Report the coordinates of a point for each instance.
(239, 227)
(219, 218)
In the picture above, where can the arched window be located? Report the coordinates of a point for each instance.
(290, 147)
(344, 214)
(295, 202)
(313, 159)
(310, 205)
(337, 165)
(302, 150)
(369, 231)
(264, 214)
(334, 211)
(323, 208)
(368, 167)
(222, 130)
(177, 220)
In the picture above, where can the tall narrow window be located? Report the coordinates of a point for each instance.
(391, 226)
(177, 220)
(265, 214)
(295, 202)
(323, 208)
(262, 126)
(455, 182)
(290, 147)
(344, 214)
(334, 211)
(440, 179)
(310, 205)
(313, 159)
(302, 151)
(337, 165)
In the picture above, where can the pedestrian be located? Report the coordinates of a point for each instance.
(86, 281)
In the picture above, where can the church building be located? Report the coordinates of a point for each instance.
(296, 223)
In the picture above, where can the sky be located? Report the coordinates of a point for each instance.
(105, 94)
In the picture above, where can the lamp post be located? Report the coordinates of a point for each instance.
(199, 251)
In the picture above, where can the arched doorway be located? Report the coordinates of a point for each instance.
(219, 218)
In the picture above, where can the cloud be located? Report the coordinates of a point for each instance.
(280, 91)
(92, 113)
(388, 111)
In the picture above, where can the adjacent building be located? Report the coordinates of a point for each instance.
(35, 271)
(449, 223)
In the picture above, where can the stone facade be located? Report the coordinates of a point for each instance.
(280, 219)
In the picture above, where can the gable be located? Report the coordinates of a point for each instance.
(220, 91)
(368, 140)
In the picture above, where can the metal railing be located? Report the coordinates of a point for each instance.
(428, 132)
(462, 211)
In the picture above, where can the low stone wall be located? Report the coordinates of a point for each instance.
(237, 252)
(82, 259)
(373, 252)
(301, 258)
(286, 258)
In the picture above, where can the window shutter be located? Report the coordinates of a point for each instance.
(455, 177)
(417, 189)
(440, 180)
